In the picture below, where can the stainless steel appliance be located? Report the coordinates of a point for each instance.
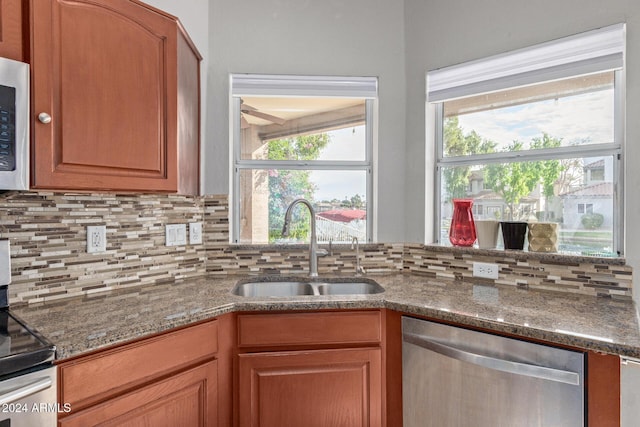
(14, 125)
(457, 377)
(28, 391)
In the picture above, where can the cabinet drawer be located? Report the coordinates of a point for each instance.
(278, 330)
(185, 399)
(87, 380)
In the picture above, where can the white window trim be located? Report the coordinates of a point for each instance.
(590, 52)
(291, 85)
(614, 149)
(365, 88)
(606, 53)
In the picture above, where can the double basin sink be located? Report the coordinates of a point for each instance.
(295, 287)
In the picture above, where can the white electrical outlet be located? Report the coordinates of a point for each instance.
(96, 238)
(195, 233)
(485, 270)
(175, 234)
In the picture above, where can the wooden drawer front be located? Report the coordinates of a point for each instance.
(186, 399)
(278, 330)
(87, 380)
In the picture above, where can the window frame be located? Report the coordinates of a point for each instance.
(320, 86)
(614, 149)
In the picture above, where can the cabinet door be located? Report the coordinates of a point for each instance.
(311, 388)
(106, 73)
(12, 25)
(186, 399)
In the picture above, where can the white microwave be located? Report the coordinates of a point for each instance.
(14, 125)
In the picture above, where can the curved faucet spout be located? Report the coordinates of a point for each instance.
(313, 244)
(359, 269)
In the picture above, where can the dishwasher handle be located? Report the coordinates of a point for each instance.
(517, 368)
(26, 390)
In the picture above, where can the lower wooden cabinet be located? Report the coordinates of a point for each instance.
(167, 380)
(288, 369)
(311, 369)
(185, 399)
(311, 388)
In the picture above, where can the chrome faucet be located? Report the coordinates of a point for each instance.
(314, 252)
(359, 269)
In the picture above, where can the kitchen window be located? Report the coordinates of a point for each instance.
(302, 137)
(537, 132)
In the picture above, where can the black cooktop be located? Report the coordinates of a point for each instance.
(20, 347)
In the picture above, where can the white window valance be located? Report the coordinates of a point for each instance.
(278, 85)
(585, 53)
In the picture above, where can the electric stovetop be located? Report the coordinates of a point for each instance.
(20, 347)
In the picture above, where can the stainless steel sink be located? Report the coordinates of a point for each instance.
(286, 288)
(349, 288)
(272, 289)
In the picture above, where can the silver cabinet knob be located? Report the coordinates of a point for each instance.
(44, 118)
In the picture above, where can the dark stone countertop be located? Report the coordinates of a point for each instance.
(83, 324)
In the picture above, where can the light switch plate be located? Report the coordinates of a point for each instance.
(195, 233)
(96, 239)
(5, 262)
(176, 234)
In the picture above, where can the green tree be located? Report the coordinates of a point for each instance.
(512, 181)
(357, 201)
(549, 170)
(287, 185)
(456, 143)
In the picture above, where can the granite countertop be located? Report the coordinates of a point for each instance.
(83, 324)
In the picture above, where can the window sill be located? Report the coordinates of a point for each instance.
(548, 257)
(555, 258)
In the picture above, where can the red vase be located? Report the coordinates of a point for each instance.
(463, 230)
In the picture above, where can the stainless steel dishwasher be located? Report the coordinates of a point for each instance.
(457, 377)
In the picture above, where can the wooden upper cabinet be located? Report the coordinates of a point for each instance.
(13, 27)
(120, 81)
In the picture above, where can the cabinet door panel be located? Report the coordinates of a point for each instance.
(107, 73)
(12, 30)
(315, 388)
(186, 399)
(122, 79)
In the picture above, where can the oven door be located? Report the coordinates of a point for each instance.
(29, 400)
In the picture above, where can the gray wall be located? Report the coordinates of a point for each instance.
(335, 37)
(398, 42)
(442, 33)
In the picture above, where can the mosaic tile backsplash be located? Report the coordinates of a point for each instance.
(49, 259)
(603, 277)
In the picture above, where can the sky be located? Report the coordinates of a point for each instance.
(346, 144)
(576, 118)
(587, 116)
